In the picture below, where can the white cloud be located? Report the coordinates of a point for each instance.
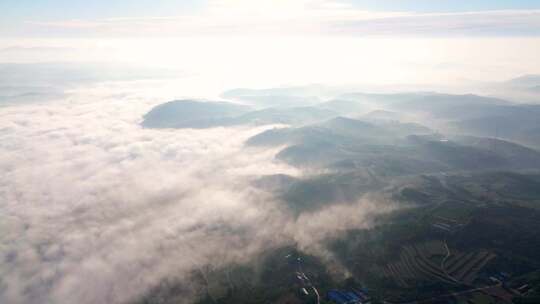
(484, 23)
(306, 17)
(95, 209)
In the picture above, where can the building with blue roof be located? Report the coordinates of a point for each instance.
(347, 297)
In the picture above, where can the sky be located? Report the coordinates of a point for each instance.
(314, 41)
(252, 42)
(58, 9)
(120, 18)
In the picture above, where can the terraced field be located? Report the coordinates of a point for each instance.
(429, 262)
(465, 267)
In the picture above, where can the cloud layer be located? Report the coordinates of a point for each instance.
(95, 209)
(297, 17)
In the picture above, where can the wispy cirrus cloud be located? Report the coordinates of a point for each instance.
(293, 17)
(308, 20)
(481, 23)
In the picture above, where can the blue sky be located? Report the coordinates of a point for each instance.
(104, 18)
(76, 9)
(445, 5)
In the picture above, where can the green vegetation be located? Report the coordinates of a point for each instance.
(456, 237)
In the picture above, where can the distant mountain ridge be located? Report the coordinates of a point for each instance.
(207, 114)
(191, 114)
(391, 148)
(460, 114)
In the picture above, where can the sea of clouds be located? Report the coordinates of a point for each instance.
(96, 209)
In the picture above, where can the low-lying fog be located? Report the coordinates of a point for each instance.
(97, 209)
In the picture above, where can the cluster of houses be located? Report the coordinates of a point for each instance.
(349, 296)
(446, 224)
